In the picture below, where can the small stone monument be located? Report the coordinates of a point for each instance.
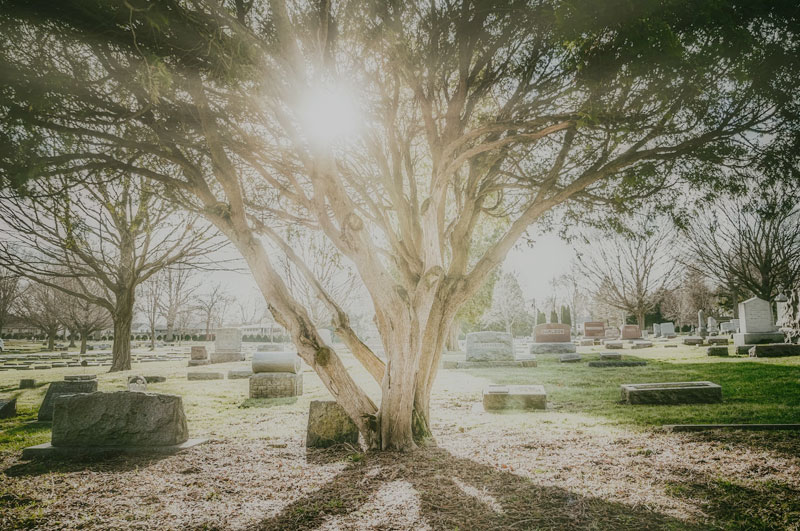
(27, 383)
(57, 389)
(490, 346)
(712, 325)
(701, 323)
(525, 397)
(656, 330)
(552, 338)
(756, 325)
(594, 329)
(227, 346)
(630, 331)
(198, 356)
(328, 425)
(276, 375)
(137, 383)
(668, 330)
(8, 408)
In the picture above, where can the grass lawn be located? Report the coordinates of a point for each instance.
(586, 462)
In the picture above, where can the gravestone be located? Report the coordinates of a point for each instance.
(155, 379)
(692, 340)
(585, 342)
(227, 346)
(718, 340)
(552, 338)
(276, 375)
(656, 330)
(614, 344)
(119, 419)
(239, 374)
(204, 375)
(27, 383)
(701, 323)
(594, 329)
(668, 330)
(328, 425)
(137, 383)
(57, 389)
(712, 325)
(8, 408)
(269, 347)
(199, 353)
(490, 346)
(610, 356)
(671, 393)
(630, 331)
(525, 397)
(570, 358)
(641, 344)
(755, 324)
(779, 350)
(727, 327)
(717, 351)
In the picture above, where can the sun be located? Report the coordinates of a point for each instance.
(329, 115)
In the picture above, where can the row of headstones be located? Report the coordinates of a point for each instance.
(531, 397)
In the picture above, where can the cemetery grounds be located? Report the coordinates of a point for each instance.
(587, 462)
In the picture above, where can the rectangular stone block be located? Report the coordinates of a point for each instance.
(199, 353)
(780, 350)
(671, 393)
(225, 356)
(204, 375)
(761, 338)
(614, 344)
(717, 351)
(57, 389)
(524, 397)
(276, 385)
(8, 408)
(718, 340)
(594, 329)
(553, 348)
(630, 332)
(570, 358)
(693, 340)
(641, 344)
(610, 356)
(551, 333)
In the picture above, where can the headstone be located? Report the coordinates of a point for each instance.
(328, 425)
(570, 358)
(670, 393)
(525, 397)
(199, 353)
(8, 408)
(155, 379)
(712, 325)
(551, 333)
(586, 342)
(594, 329)
(269, 347)
(612, 333)
(614, 344)
(717, 351)
(692, 340)
(718, 340)
(80, 377)
(276, 362)
(239, 374)
(276, 385)
(137, 383)
(610, 356)
(119, 419)
(490, 346)
(668, 330)
(641, 344)
(630, 331)
(57, 389)
(656, 330)
(227, 346)
(779, 350)
(27, 383)
(727, 327)
(756, 326)
(701, 323)
(204, 375)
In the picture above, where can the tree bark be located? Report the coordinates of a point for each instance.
(123, 320)
(51, 340)
(71, 339)
(83, 342)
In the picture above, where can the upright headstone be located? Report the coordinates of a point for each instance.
(490, 346)
(8, 408)
(328, 425)
(656, 330)
(756, 326)
(276, 375)
(712, 325)
(594, 329)
(630, 331)
(552, 338)
(701, 323)
(199, 356)
(57, 389)
(668, 330)
(227, 345)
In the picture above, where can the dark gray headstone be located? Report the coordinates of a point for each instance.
(8, 408)
(328, 425)
(27, 383)
(119, 419)
(63, 388)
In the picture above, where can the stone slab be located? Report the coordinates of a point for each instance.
(610, 356)
(717, 340)
(199, 353)
(155, 379)
(491, 364)
(80, 377)
(617, 363)
(717, 351)
(553, 348)
(239, 374)
(205, 375)
(57, 389)
(760, 338)
(48, 450)
(552, 333)
(780, 350)
(198, 363)
(570, 358)
(489, 346)
(525, 397)
(225, 356)
(693, 340)
(630, 332)
(276, 385)
(670, 393)
(743, 350)
(641, 344)
(27, 383)
(8, 408)
(283, 361)
(329, 425)
(586, 342)
(120, 418)
(614, 344)
(594, 329)
(671, 345)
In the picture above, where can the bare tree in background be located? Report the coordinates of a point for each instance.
(508, 303)
(107, 236)
(630, 272)
(149, 301)
(691, 294)
(82, 316)
(10, 287)
(212, 305)
(43, 307)
(748, 247)
(570, 285)
(179, 286)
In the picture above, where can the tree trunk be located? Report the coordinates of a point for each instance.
(452, 338)
(83, 342)
(152, 337)
(51, 340)
(71, 339)
(170, 327)
(123, 320)
(640, 320)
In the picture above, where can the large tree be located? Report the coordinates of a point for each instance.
(10, 286)
(106, 235)
(458, 112)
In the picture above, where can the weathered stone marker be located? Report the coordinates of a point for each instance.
(641, 344)
(329, 425)
(756, 324)
(570, 358)
(198, 356)
(137, 383)
(630, 332)
(692, 340)
(227, 346)
(526, 397)
(57, 389)
(552, 338)
(490, 346)
(610, 356)
(155, 379)
(204, 375)
(122, 418)
(27, 383)
(239, 374)
(670, 393)
(276, 375)
(617, 363)
(8, 408)
(717, 340)
(80, 377)
(779, 350)
(717, 351)
(668, 330)
(614, 344)
(594, 329)
(656, 330)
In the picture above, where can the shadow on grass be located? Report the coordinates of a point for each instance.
(457, 493)
(108, 462)
(335, 454)
(267, 402)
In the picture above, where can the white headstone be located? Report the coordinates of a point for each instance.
(228, 339)
(712, 324)
(755, 316)
(667, 329)
(656, 330)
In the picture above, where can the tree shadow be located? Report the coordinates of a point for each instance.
(107, 462)
(264, 403)
(458, 493)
